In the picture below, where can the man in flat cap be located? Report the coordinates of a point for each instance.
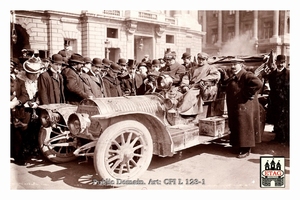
(243, 108)
(187, 62)
(279, 98)
(173, 68)
(199, 85)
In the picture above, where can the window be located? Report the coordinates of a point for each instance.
(248, 30)
(230, 33)
(215, 13)
(214, 35)
(231, 12)
(267, 30)
(112, 33)
(170, 39)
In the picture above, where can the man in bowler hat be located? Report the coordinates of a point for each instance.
(111, 82)
(75, 88)
(50, 83)
(279, 100)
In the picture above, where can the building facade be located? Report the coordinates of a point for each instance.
(246, 32)
(107, 33)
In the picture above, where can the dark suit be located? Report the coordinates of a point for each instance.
(51, 88)
(75, 88)
(279, 103)
(135, 86)
(112, 86)
(96, 84)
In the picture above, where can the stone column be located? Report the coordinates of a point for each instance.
(237, 23)
(204, 27)
(255, 25)
(275, 38)
(220, 28)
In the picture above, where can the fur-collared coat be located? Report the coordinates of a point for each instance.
(244, 109)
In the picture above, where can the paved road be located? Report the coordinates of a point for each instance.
(213, 165)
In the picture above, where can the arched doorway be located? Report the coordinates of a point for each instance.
(22, 41)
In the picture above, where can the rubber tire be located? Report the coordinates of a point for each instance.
(49, 152)
(112, 133)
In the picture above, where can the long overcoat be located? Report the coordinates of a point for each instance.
(244, 109)
(51, 88)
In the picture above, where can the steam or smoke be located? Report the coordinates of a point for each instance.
(240, 45)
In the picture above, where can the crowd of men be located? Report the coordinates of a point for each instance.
(68, 77)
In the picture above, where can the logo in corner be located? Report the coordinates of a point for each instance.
(272, 173)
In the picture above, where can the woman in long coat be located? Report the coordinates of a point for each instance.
(243, 109)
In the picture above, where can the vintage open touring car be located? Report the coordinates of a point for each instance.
(122, 133)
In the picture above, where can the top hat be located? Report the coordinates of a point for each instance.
(202, 55)
(280, 58)
(77, 58)
(57, 58)
(122, 61)
(115, 67)
(32, 65)
(97, 62)
(87, 60)
(186, 55)
(130, 62)
(67, 43)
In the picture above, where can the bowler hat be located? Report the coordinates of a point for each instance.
(280, 58)
(77, 58)
(65, 61)
(32, 65)
(16, 63)
(115, 67)
(155, 62)
(57, 58)
(186, 55)
(87, 60)
(106, 62)
(122, 61)
(202, 55)
(97, 62)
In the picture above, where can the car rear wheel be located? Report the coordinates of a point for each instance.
(123, 152)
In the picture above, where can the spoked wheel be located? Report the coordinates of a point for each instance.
(56, 151)
(123, 151)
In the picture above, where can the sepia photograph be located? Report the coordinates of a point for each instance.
(131, 99)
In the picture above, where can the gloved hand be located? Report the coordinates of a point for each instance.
(14, 102)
